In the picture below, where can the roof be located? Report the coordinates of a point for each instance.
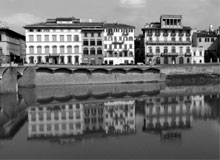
(117, 25)
(61, 25)
(12, 33)
(158, 26)
(206, 34)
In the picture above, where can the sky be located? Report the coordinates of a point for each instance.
(198, 14)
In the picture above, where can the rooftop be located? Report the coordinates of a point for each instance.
(117, 25)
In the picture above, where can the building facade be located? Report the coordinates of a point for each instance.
(12, 46)
(92, 37)
(56, 41)
(209, 40)
(118, 44)
(198, 55)
(168, 41)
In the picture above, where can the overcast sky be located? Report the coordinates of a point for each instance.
(196, 13)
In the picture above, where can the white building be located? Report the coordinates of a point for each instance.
(167, 41)
(55, 121)
(56, 41)
(118, 44)
(198, 55)
(119, 117)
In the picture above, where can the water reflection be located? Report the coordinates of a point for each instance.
(70, 114)
(76, 121)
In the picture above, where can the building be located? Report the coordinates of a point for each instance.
(168, 116)
(119, 117)
(92, 37)
(198, 55)
(55, 120)
(118, 44)
(167, 41)
(139, 49)
(12, 46)
(209, 40)
(56, 41)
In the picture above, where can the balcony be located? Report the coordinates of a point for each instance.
(181, 34)
(54, 54)
(188, 54)
(169, 54)
(188, 34)
(173, 34)
(150, 54)
(110, 33)
(165, 34)
(118, 42)
(157, 34)
(125, 33)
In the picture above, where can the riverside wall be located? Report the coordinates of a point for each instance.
(44, 78)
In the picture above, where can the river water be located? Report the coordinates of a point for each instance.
(129, 121)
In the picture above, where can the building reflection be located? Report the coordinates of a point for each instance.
(170, 116)
(79, 121)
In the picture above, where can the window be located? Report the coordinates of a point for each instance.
(200, 53)
(125, 46)
(31, 30)
(76, 49)
(31, 49)
(31, 59)
(92, 51)
(92, 34)
(115, 46)
(39, 49)
(76, 38)
(39, 60)
(85, 34)
(54, 38)
(46, 49)
(165, 50)
(106, 46)
(54, 48)
(150, 49)
(194, 53)
(46, 38)
(173, 49)
(0, 51)
(157, 49)
(131, 54)
(61, 38)
(99, 34)
(180, 39)
(213, 39)
(181, 49)
(69, 49)
(92, 42)
(200, 39)
(130, 38)
(31, 38)
(115, 39)
(85, 42)
(0, 37)
(70, 61)
(61, 49)
(99, 42)
(39, 38)
(85, 51)
(106, 38)
(99, 51)
(131, 46)
(69, 38)
(120, 46)
(188, 49)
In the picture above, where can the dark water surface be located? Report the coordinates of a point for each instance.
(130, 121)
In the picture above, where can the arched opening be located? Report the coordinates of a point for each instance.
(158, 60)
(63, 70)
(181, 60)
(45, 70)
(166, 60)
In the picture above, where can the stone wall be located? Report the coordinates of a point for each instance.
(26, 76)
(8, 80)
(97, 77)
(191, 69)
